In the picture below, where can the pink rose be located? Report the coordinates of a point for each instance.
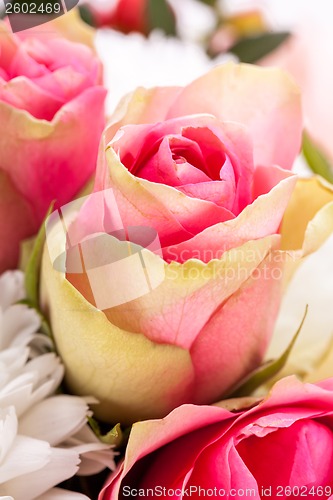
(52, 115)
(126, 16)
(201, 167)
(280, 448)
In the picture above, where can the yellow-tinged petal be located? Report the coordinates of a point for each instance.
(118, 367)
(308, 220)
(72, 27)
(110, 355)
(268, 103)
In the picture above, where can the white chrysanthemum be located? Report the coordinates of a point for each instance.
(44, 438)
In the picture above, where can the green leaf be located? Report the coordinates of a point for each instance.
(211, 3)
(114, 437)
(251, 49)
(266, 371)
(316, 160)
(160, 15)
(33, 266)
(86, 15)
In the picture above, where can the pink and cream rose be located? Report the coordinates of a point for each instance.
(280, 448)
(52, 116)
(207, 168)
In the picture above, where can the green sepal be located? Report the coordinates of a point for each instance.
(114, 437)
(316, 160)
(251, 49)
(32, 278)
(211, 3)
(86, 15)
(161, 16)
(32, 270)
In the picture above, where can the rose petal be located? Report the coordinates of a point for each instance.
(308, 461)
(179, 309)
(192, 213)
(188, 452)
(221, 466)
(96, 354)
(49, 147)
(312, 200)
(152, 435)
(308, 220)
(139, 207)
(17, 222)
(225, 330)
(266, 102)
(141, 107)
(258, 220)
(163, 168)
(24, 94)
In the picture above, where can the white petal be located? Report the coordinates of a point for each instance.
(48, 366)
(86, 435)
(30, 388)
(47, 388)
(47, 372)
(55, 419)
(62, 465)
(45, 365)
(96, 461)
(95, 455)
(25, 379)
(11, 288)
(8, 430)
(14, 358)
(59, 494)
(20, 398)
(19, 325)
(40, 344)
(150, 62)
(25, 456)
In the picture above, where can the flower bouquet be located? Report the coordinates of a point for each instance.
(156, 246)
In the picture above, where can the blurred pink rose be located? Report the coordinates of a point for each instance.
(52, 115)
(308, 57)
(124, 15)
(282, 447)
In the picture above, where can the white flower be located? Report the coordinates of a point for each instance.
(43, 437)
(132, 60)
